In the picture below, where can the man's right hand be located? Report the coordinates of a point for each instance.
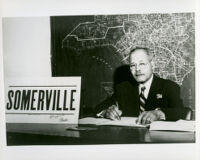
(113, 113)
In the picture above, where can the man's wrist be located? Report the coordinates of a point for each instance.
(161, 114)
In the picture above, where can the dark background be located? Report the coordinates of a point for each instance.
(68, 62)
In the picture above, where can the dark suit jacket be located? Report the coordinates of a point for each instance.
(163, 94)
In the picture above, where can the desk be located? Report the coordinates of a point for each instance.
(57, 134)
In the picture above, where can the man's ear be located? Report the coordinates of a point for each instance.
(153, 64)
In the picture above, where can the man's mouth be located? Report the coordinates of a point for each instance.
(138, 75)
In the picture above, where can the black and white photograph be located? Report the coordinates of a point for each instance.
(137, 81)
(101, 80)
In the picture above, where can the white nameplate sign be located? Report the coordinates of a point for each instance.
(43, 100)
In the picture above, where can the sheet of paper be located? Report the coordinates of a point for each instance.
(125, 121)
(180, 125)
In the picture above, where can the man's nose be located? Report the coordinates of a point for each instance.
(137, 68)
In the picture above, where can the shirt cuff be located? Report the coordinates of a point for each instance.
(101, 114)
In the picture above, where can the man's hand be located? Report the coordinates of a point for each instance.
(147, 117)
(113, 113)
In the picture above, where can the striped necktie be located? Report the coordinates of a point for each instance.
(142, 99)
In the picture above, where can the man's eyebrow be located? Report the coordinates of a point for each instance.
(139, 62)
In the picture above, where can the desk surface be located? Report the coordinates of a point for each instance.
(58, 134)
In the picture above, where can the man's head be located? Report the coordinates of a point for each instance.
(140, 64)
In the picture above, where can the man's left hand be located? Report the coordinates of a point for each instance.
(147, 117)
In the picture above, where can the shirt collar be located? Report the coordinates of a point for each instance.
(148, 83)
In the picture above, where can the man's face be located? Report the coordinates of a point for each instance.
(140, 65)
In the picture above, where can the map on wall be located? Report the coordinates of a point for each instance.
(170, 38)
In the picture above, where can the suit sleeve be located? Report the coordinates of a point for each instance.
(173, 108)
(105, 104)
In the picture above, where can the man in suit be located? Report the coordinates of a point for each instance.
(149, 97)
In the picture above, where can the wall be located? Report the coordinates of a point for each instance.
(26, 47)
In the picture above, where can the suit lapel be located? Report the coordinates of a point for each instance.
(135, 98)
(152, 92)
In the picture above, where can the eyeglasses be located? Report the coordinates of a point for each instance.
(133, 66)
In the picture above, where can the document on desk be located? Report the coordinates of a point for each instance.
(125, 121)
(180, 125)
